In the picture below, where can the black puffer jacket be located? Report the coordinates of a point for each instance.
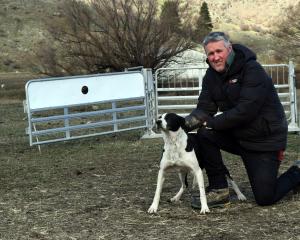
(251, 109)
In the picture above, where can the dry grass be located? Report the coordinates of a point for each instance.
(101, 188)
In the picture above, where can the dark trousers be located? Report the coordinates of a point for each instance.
(262, 167)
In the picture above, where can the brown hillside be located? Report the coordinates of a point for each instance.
(249, 22)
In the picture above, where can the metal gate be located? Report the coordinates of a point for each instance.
(68, 108)
(177, 90)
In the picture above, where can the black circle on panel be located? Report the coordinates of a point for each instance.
(84, 89)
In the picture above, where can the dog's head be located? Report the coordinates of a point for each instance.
(170, 122)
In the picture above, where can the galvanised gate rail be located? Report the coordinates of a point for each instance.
(177, 89)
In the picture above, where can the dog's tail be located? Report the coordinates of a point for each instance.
(227, 174)
(234, 186)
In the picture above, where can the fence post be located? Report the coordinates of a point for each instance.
(67, 123)
(114, 115)
(149, 101)
(293, 97)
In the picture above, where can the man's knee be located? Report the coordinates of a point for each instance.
(264, 199)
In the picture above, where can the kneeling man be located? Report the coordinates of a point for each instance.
(252, 124)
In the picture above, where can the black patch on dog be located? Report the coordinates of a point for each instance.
(174, 121)
(190, 144)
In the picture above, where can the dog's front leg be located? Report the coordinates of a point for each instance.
(203, 201)
(160, 181)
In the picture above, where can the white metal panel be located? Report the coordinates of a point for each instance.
(56, 92)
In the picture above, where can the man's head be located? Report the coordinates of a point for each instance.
(217, 48)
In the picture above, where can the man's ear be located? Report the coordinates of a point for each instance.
(230, 47)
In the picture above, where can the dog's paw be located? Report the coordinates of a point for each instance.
(152, 209)
(241, 197)
(204, 210)
(174, 199)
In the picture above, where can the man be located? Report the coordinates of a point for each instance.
(252, 124)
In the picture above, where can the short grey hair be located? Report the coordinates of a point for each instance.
(215, 37)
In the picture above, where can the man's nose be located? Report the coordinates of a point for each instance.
(216, 57)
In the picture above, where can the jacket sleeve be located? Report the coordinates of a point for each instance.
(254, 89)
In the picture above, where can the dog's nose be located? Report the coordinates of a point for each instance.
(158, 122)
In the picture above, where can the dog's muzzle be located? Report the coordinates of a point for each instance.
(159, 123)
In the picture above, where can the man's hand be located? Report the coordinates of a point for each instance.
(196, 119)
(191, 122)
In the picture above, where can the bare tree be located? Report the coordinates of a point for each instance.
(108, 35)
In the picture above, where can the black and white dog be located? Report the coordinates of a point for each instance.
(179, 154)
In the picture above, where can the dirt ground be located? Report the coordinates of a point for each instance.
(101, 188)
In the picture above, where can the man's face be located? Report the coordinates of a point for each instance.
(217, 55)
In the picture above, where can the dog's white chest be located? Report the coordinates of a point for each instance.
(175, 154)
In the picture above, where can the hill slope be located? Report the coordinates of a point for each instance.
(21, 29)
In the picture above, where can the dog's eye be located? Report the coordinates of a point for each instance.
(159, 117)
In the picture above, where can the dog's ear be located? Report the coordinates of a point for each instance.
(182, 122)
(183, 126)
(174, 121)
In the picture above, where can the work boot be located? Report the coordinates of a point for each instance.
(215, 198)
(296, 189)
